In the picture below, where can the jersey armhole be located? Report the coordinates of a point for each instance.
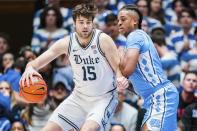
(70, 45)
(98, 44)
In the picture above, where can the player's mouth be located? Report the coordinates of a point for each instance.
(121, 29)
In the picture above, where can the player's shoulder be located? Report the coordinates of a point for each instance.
(136, 35)
(104, 36)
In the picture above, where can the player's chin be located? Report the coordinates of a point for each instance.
(121, 31)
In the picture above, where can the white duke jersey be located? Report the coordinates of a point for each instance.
(93, 76)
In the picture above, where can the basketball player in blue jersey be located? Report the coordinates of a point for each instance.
(95, 62)
(141, 64)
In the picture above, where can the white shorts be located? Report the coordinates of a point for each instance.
(78, 108)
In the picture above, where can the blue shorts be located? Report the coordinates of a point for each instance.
(161, 109)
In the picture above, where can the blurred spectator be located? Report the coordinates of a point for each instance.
(169, 61)
(143, 8)
(46, 73)
(27, 54)
(117, 127)
(17, 126)
(6, 90)
(13, 77)
(187, 97)
(37, 115)
(7, 62)
(99, 20)
(50, 31)
(180, 126)
(4, 109)
(156, 11)
(64, 74)
(60, 91)
(118, 4)
(189, 59)
(145, 25)
(173, 17)
(66, 13)
(4, 43)
(158, 30)
(193, 5)
(177, 6)
(189, 118)
(124, 114)
(184, 40)
(112, 29)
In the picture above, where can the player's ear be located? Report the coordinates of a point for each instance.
(135, 21)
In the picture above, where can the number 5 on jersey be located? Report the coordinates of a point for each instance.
(88, 73)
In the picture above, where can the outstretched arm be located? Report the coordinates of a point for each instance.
(58, 48)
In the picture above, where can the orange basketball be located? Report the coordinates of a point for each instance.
(35, 92)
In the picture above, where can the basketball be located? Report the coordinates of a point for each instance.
(35, 92)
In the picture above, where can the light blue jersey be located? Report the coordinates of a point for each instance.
(148, 69)
(159, 94)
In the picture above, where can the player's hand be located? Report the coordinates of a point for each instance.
(122, 82)
(28, 75)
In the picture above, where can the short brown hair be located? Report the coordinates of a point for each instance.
(86, 10)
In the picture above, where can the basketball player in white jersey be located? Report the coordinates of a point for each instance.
(95, 62)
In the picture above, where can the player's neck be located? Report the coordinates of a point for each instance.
(84, 41)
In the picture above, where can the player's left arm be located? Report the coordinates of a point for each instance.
(110, 51)
(129, 61)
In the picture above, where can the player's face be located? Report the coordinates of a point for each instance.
(126, 22)
(190, 83)
(83, 26)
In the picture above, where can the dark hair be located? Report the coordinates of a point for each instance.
(59, 19)
(135, 9)
(5, 36)
(195, 31)
(22, 122)
(158, 39)
(159, 16)
(189, 72)
(86, 9)
(189, 11)
(182, 1)
(117, 124)
(110, 17)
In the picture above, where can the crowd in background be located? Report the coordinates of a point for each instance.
(172, 25)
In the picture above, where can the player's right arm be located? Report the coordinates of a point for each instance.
(58, 48)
